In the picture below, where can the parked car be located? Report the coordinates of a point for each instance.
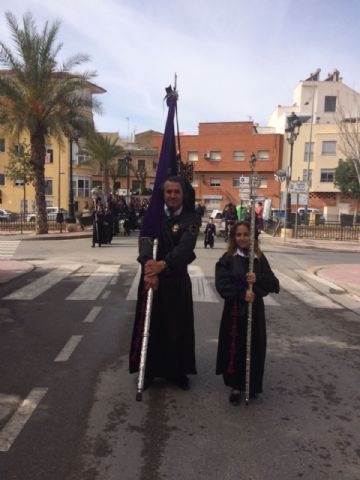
(7, 215)
(301, 213)
(51, 214)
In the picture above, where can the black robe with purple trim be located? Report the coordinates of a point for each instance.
(171, 351)
(230, 280)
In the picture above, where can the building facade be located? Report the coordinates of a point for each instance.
(321, 105)
(220, 155)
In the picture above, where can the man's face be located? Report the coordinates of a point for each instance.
(173, 195)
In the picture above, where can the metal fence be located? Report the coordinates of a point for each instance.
(329, 231)
(18, 223)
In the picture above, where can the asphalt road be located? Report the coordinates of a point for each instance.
(67, 402)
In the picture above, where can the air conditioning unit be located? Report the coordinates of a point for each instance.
(207, 156)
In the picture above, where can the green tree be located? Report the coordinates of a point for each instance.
(346, 180)
(104, 154)
(41, 96)
(19, 166)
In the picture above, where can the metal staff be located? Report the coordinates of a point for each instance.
(146, 334)
(94, 195)
(253, 184)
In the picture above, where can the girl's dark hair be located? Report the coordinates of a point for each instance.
(232, 245)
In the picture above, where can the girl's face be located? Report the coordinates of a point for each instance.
(242, 237)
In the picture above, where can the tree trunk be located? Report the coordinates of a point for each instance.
(37, 140)
(106, 183)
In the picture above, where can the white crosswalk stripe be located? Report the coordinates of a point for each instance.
(39, 286)
(304, 293)
(93, 286)
(201, 290)
(8, 248)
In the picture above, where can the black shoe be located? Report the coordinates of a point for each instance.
(183, 383)
(235, 399)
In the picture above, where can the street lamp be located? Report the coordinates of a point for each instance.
(292, 131)
(128, 161)
(74, 136)
(141, 175)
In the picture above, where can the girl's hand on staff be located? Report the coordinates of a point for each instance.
(249, 296)
(251, 278)
(151, 282)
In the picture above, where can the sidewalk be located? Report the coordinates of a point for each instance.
(47, 236)
(10, 269)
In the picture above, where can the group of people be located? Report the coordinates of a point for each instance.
(113, 216)
(171, 349)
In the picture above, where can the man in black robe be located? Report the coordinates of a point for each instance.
(171, 350)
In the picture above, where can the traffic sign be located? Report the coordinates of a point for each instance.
(244, 180)
(298, 187)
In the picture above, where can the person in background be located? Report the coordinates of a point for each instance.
(210, 233)
(259, 209)
(232, 280)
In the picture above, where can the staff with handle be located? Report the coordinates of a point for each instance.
(253, 184)
(146, 333)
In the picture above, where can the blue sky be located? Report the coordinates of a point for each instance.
(234, 59)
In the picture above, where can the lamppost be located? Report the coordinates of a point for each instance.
(310, 153)
(141, 175)
(292, 130)
(73, 137)
(128, 161)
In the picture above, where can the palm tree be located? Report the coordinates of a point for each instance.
(104, 155)
(40, 96)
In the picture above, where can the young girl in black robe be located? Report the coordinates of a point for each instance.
(232, 279)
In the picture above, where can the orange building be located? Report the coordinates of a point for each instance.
(220, 154)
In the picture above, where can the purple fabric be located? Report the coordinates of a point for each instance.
(167, 167)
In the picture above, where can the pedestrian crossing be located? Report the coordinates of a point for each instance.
(8, 248)
(100, 281)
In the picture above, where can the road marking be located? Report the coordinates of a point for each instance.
(39, 286)
(92, 287)
(66, 352)
(304, 293)
(17, 422)
(8, 248)
(106, 294)
(132, 294)
(271, 302)
(90, 317)
(201, 290)
(113, 280)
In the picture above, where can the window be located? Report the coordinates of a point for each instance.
(97, 184)
(215, 182)
(2, 179)
(328, 148)
(81, 186)
(122, 167)
(2, 144)
(263, 155)
(236, 182)
(330, 104)
(239, 155)
(155, 165)
(48, 186)
(82, 157)
(263, 183)
(193, 156)
(215, 155)
(49, 155)
(309, 152)
(49, 203)
(141, 164)
(305, 175)
(327, 175)
(136, 187)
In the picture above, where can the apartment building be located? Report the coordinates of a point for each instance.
(321, 105)
(220, 154)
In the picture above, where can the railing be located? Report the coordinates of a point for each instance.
(329, 231)
(18, 223)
